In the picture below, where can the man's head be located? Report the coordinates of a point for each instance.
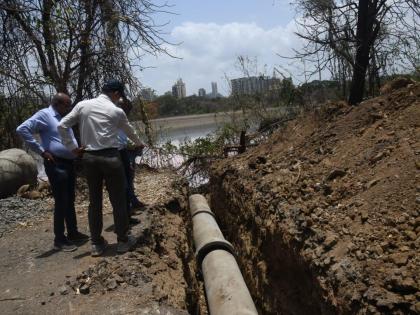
(125, 104)
(61, 103)
(114, 89)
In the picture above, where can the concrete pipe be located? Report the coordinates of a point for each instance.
(198, 204)
(17, 168)
(206, 232)
(207, 236)
(226, 291)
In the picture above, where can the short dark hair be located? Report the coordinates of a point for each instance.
(113, 86)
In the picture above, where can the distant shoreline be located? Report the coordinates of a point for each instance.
(188, 121)
(192, 121)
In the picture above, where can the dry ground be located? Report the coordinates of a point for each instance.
(150, 280)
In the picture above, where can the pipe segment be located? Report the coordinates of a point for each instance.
(207, 235)
(198, 203)
(226, 290)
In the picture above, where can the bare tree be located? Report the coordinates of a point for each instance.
(363, 35)
(73, 46)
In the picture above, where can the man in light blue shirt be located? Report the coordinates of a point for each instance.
(58, 162)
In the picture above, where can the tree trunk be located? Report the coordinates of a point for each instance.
(364, 34)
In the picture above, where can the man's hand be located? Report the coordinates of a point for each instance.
(78, 152)
(48, 156)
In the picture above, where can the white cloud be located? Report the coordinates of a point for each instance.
(209, 50)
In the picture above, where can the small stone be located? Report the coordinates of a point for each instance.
(118, 279)
(364, 216)
(400, 259)
(411, 235)
(112, 284)
(330, 241)
(318, 251)
(371, 183)
(327, 261)
(335, 174)
(360, 255)
(63, 290)
(378, 157)
(84, 289)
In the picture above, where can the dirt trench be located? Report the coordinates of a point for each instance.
(278, 278)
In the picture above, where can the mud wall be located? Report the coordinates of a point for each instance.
(280, 280)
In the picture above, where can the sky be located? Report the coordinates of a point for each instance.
(209, 37)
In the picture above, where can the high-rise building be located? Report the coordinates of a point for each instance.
(148, 94)
(253, 85)
(201, 92)
(178, 89)
(214, 89)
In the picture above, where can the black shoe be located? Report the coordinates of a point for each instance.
(77, 237)
(123, 247)
(138, 207)
(133, 221)
(98, 249)
(65, 245)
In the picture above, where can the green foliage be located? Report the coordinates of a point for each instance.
(208, 147)
(202, 147)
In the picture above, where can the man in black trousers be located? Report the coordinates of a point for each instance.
(59, 167)
(128, 154)
(99, 122)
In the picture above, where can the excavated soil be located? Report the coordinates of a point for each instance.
(325, 215)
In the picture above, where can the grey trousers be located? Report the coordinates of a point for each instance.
(99, 166)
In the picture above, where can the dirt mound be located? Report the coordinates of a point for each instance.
(154, 270)
(326, 213)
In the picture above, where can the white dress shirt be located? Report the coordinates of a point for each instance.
(99, 124)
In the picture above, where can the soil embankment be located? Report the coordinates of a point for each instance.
(326, 214)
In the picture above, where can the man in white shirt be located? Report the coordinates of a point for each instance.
(99, 123)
